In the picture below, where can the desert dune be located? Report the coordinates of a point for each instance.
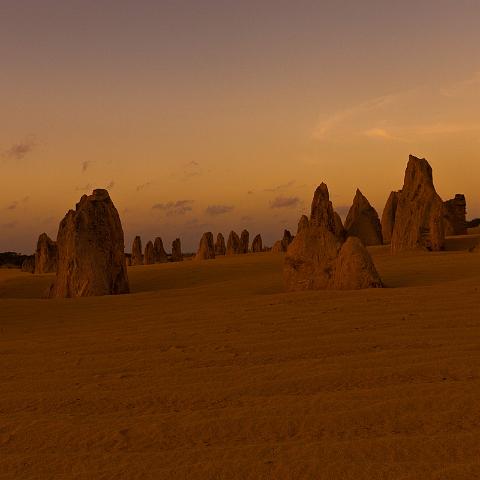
(209, 370)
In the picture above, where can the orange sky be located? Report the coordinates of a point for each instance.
(224, 115)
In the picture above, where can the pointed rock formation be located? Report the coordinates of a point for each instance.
(91, 258)
(363, 222)
(286, 240)
(206, 249)
(455, 216)
(340, 231)
(177, 255)
(257, 245)
(319, 259)
(159, 253)
(244, 241)
(137, 257)
(419, 216)
(128, 259)
(233, 244)
(303, 223)
(388, 216)
(46, 255)
(28, 265)
(220, 248)
(149, 256)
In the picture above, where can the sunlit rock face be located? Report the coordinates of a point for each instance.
(419, 216)
(46, 255)
(388, 217)
(91, 258)
(206, 249)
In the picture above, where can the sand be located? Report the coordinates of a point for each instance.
(209, 371)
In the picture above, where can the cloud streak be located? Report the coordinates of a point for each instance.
(178, 207)
(218, 209)
(20, 150)
(285, 202)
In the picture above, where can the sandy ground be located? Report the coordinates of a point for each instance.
(209, 371)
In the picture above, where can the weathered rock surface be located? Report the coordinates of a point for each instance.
(128, 259)
(149, 255)
(303, 223)
(206, 249)
(46, 255)
(363, 222)
(340, 231)
(319, 259)
(419, 216)
(257, 244)
(159, 253)
(28, 265)
(244, 241)
(137, 257)
(91, 258)
(455, 215)
(220, 248)
(177, 255)
(233, 244)
(388, 217)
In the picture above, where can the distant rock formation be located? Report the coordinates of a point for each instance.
(277, 247)
(319, 259)
(473, 223)
(46, 255)
(149, 255)
(91, 258)
(257, 244)
(388, 216)
(159, 253)
(128, 259)
(303, 223)
(419, 216)
(206, 250)
(244, 241)
(220, 248)
(363, 222)
(282, 245)
(286, 240)
(177, 255)
(233, 244)
(28, 264)
(137, 257)
(455, 215)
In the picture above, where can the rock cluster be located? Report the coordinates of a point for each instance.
(233, 244)
(244, 241)
(282, 245)
(257, 245)
(46, 255)
(159, 253)
(177, 255)
(363, 222)
(419, 214)
(149, 255)
(388, 217)
(455, 215)
(206, 249)
(320, 258)
(220, 248)
(137, 257)
(91, 258)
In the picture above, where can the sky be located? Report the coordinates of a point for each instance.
(218, 115)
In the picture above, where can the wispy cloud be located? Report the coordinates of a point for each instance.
(85, 165)
(85, 188)
(191, 169)
(218, 209)
(178, 207)
(285, 202)
(460, 87)
(278, 188)
(110, 185)
(20, 150)
(382, 134)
